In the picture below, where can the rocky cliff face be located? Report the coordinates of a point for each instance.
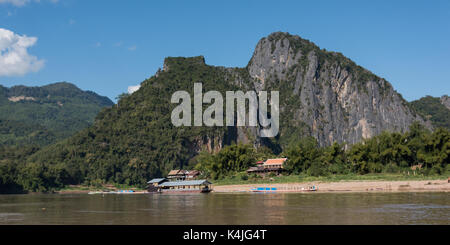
(325, 94)
(445, 100)
(322, 94)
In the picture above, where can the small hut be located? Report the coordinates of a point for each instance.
(269, 166)
(177, 175)
(192, 174)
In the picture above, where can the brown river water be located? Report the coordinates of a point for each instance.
(227, 208)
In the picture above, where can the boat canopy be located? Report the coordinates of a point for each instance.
(185, 183)
(158, 180)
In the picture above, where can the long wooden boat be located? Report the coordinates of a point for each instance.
(275, 190)
(264, 189)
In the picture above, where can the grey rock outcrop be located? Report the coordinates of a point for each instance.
(445, 100)
(324, 94)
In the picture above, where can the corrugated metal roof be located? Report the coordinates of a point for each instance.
(185, 183)
(174, 172)
(193, 172)
(177, 172)
(156, 180)
(252, 169)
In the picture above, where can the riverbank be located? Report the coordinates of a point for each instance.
(299, 183)
(238, 180)
(346, 186)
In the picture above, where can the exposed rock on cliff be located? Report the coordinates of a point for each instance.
(325, 94)
(445, 100)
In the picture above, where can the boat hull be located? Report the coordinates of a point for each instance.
(162, 191)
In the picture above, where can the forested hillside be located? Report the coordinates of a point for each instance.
(44, 115)
(433, 109)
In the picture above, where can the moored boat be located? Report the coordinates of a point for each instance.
(264, 189)
(187, 186)
(275, 190)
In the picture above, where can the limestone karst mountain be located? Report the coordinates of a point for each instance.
(322, 94)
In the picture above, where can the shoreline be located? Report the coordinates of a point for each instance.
(344, 186)
(62, 192)
(347, 186)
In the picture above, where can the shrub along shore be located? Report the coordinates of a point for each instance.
(417, 154)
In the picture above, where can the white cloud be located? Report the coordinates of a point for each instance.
(14, 57)
(17, 3)
(132, 48)
(132, 89)
(21, 3)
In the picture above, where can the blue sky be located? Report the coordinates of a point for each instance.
(106, 46)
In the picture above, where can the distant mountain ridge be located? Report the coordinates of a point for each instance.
(60, 90)
(43, 115)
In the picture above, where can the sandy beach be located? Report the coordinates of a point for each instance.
(326, 187)
(347, 186)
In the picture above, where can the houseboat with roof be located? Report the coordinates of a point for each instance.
(163, 185)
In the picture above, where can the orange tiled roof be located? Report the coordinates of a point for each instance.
(276, 161)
